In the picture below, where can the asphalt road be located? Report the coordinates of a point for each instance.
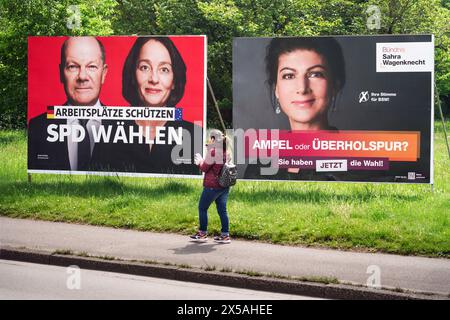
(24, 281)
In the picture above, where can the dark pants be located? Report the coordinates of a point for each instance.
(220, 196)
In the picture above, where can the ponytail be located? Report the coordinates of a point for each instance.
(227, 148)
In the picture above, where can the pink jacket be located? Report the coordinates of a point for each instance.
(212, 168)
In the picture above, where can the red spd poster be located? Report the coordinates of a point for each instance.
(122, 105)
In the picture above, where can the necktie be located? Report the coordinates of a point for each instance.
(84, 148)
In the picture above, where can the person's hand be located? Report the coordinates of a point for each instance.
(198, 159)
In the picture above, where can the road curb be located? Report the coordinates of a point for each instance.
(327, 291)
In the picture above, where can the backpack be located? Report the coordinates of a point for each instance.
(228, 175)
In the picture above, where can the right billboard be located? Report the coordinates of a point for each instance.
(347, 108)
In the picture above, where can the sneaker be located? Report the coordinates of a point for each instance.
(199, 237)
(222, 239)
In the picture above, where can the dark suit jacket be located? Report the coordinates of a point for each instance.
(45, 155)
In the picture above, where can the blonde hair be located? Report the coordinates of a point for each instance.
(221, 138)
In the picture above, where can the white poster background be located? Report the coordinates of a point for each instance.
(406, 51)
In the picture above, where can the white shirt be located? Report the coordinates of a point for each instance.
(72, 146)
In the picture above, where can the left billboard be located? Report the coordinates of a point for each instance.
(124, 105)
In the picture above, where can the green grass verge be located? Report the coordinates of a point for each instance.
(402, 219)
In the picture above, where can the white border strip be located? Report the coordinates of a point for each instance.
(121, 174)
(340, 181)
(432, 120)
(205, 95)
(157, 175)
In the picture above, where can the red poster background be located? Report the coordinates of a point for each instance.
(45, 89)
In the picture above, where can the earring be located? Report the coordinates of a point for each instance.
(277, 109)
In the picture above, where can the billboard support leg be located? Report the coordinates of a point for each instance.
(443, 120)
(29, 177)
(216, 105)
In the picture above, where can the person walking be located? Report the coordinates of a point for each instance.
(211, 165)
